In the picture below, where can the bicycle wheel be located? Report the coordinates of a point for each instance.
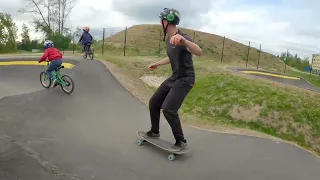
(85, 55)
(69, 83)
(43, 77)
(91, 55)
(86, 50)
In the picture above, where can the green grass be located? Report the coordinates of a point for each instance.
(223, 98)
(315, 80)
(16, 52)
(216, 96)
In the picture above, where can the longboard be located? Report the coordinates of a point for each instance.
(163, 144)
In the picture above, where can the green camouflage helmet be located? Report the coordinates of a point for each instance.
(171, 15)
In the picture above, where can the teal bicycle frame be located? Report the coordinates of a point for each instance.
(56, 74)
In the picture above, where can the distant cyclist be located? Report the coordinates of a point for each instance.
(85, 38)
(55, 58)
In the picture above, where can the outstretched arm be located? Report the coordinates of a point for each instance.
(193, 48)
(162, 62)
(81, 38)
(44, 56)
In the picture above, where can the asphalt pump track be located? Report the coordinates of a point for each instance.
(277, 77)
(91, 134)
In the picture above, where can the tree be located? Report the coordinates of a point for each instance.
(49, 15)
(60, 42)
(25, 41)
(35, 44)
(25, 34)
(3, 35)
(77, 34)
(294, 61)
(8, 32)
(65, 7)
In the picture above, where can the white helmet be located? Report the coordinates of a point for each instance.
(86, 28)
(48, 43)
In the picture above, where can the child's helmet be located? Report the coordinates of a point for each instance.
(86, 28)
(48, 44)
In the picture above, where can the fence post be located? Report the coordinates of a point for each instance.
(248, 54)
(103, 40)
(285, 61)
(259, 57)
(194, 35)
(310, 66)
(159, 43)
(73, 44)
(285, 67)
(310, 73)
(222, 48)
(125, 42)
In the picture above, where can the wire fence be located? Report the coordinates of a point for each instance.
(147, 40)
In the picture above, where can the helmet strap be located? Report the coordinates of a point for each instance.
(164, 30)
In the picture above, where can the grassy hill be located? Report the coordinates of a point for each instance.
(147, 40)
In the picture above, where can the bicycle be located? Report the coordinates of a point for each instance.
(61, 79)
(88, 51)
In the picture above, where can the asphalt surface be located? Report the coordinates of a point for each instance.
(91, 134)
(301, 83)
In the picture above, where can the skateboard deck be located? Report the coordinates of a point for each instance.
(163, 144)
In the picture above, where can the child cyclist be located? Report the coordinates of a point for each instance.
(55, 58)
(86, 38)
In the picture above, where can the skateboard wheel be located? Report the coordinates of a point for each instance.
(171, 157)
(140, 142)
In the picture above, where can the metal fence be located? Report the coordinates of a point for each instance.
(148, 40)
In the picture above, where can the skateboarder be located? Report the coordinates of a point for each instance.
(172, 92)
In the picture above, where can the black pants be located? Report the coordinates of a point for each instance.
(169, 96)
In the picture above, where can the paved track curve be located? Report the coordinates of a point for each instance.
(277, 77)
(91, 134)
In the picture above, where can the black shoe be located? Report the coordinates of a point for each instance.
(152, 134)
(179, 145)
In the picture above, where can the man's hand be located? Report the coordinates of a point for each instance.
(164, 61)
(177, 40)
(191, 47)
(153, 66)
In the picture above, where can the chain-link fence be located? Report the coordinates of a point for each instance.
(147, 40)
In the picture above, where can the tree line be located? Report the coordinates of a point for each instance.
(48, 17)
(294, 60)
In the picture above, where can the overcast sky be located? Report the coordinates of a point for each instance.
(276, 24)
